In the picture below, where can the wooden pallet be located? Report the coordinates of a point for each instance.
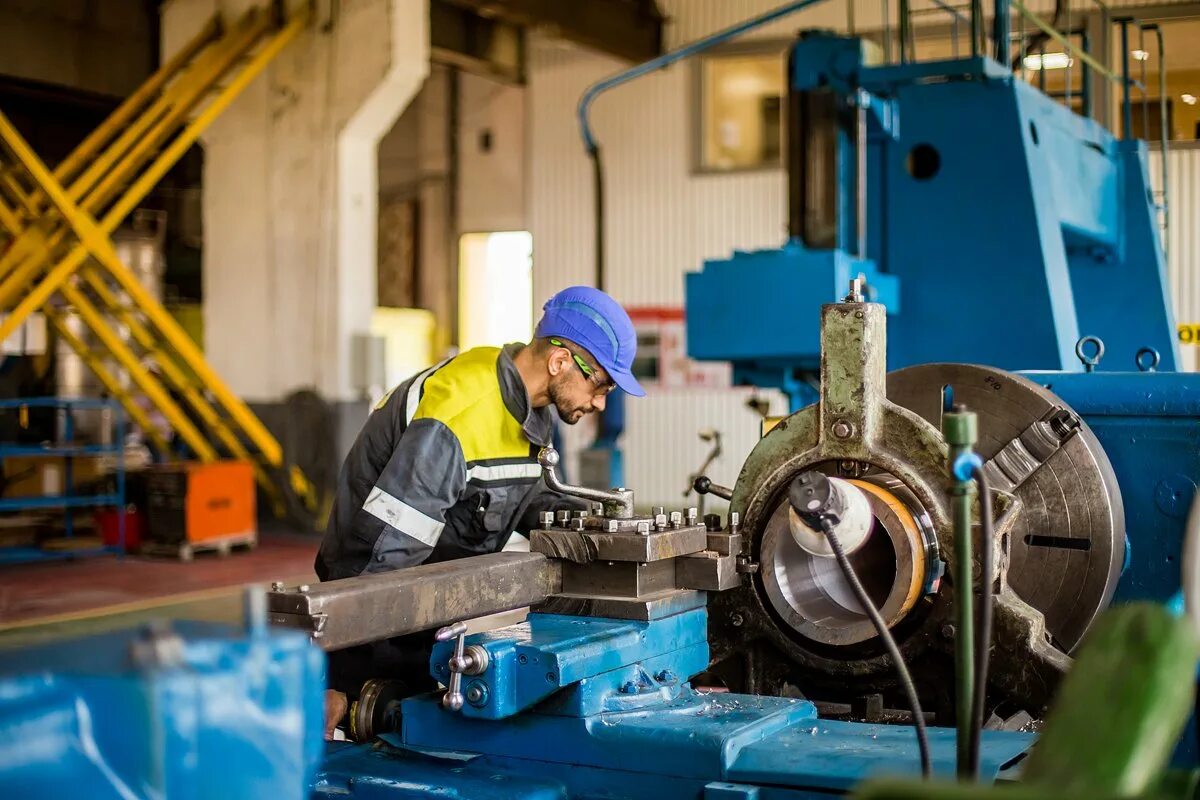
(186, 551)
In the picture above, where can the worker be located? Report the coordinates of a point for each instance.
(446, 465)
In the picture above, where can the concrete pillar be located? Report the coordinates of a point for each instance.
(290, 194)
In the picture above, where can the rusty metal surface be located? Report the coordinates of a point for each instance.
(708, 571)
(657, 606)
(368, 608)
(589, 544)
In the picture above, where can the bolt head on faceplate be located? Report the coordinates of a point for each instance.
(843, 429)
(613, 526)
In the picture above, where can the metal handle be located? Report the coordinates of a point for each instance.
(702, 485)
(453, 698)
(617, 504)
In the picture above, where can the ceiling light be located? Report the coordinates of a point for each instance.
(1190, 99)
(1139, 55)
(1048, 61)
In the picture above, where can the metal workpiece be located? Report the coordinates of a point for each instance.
(794, 620)
(368, 608)
(618, 578)
(617, 503)
(1066, 544)
(630, 543)
(854, 432)
(644, 609)
(707, 571)
(723, 543)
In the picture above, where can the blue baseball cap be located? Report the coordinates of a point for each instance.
(597, 323)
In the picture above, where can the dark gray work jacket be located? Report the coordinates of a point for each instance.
(445, 467)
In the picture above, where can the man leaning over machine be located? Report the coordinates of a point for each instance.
(446, 465)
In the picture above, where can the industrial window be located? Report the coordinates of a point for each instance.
(1181, 109)
(740, 104)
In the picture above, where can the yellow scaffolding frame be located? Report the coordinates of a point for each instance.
(59, 249)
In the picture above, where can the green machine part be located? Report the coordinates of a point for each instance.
(1112, 727)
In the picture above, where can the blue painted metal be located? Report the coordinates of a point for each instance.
(237, 716)
(1149, 426)
(1031, 210)
(68, 450)
(626, 727)
(603, 664)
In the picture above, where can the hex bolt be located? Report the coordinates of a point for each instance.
(578, 523)
(547, 519)
(692, 514)
(660, 521)
(579, 514)
(613, 526)
(735, 519)
(842, 429)
(712, 522)
(277, 586)
(643, 528)
(659, 510)
(676, 519)
(563, 518)
(302, 588)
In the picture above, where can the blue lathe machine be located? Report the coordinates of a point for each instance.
(671, 656)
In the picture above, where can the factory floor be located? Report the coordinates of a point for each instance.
(45, 600)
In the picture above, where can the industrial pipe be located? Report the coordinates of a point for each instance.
(665, 60)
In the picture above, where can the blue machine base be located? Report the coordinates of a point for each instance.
(700, 746)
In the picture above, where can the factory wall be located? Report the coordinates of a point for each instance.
(1183, 239)
(107, 47)
(290, 197)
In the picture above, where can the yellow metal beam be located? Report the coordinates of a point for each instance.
(146, 382)
(125, 112)
(111, 384)
(94, 240)
(174, 375)
(18, 279)
(104, 177)
(198, 79)
(169, 110)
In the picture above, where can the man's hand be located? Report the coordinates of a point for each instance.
(335, 708)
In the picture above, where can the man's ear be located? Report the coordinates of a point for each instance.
(557, 361)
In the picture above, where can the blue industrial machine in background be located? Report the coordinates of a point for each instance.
(996, 225)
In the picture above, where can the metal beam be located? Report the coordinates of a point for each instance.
(628, 29)
(458, 37)
(370, 608)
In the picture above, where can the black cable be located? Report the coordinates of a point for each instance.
(983, 621)
(881, 627)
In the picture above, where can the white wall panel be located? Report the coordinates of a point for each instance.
(663, 446)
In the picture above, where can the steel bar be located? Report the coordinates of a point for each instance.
(370, 608)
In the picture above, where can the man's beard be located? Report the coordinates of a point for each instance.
(566, 412)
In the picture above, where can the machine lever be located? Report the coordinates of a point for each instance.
(702, 485)
(452, 700)
(618, 503)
